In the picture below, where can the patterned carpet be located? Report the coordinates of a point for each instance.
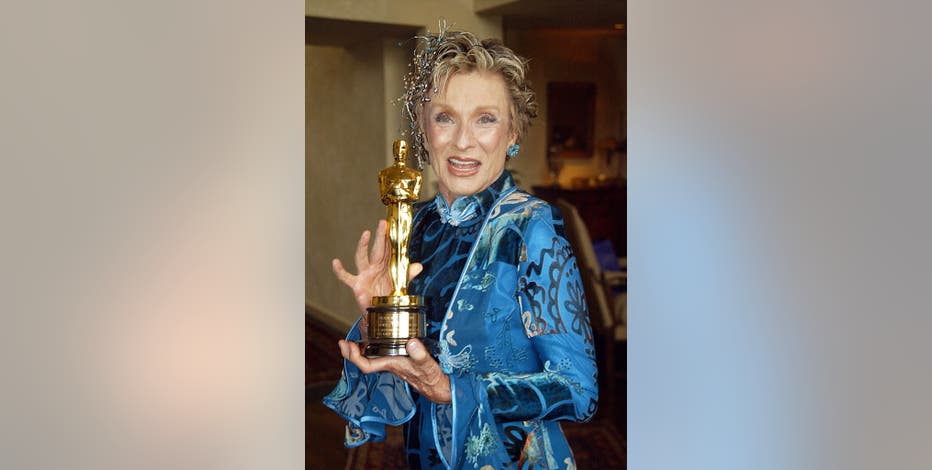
(599, 444)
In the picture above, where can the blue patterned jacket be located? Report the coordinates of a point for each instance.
(514, 339)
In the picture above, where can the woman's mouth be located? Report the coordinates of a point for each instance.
(463, 166)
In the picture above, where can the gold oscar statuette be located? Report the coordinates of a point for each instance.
(398, 317)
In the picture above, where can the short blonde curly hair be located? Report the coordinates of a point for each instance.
(438, 57)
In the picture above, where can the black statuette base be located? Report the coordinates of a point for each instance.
(383, 349)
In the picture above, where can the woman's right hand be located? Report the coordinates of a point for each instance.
(372, 277)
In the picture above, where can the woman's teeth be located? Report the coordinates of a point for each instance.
(463, 164)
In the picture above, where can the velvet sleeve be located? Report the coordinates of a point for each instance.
(556, 319)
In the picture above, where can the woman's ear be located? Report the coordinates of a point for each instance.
(512, 129)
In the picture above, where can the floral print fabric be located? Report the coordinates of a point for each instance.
(508, 322)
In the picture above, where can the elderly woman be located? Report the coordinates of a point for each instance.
(505, 304)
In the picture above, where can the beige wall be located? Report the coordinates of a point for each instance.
(345, 128)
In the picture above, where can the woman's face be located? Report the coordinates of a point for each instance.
(468, 129)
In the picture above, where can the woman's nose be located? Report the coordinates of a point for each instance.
(464, 137)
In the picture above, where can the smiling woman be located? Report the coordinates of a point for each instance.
(504, 302)
(468, 132)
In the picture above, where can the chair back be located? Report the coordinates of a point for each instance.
(600, 311)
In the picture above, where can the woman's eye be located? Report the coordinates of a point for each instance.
(443, 117)
(487, 119)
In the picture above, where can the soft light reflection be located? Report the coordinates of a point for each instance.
(159, 228)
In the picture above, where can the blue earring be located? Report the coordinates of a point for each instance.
(513, 150)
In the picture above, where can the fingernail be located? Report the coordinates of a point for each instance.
(413, 346)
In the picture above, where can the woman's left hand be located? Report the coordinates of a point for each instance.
(419, 369)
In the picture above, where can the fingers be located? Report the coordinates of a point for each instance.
(427, 377)
(406, 368)
(380, 248)
(363, 257)
(351, 351)
(414, 269)
(419, 369)
(362, 249)
(341, 273)
(417, 352)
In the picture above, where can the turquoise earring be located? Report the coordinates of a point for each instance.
(513, 150)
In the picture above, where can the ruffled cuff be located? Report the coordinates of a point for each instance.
(368, 402)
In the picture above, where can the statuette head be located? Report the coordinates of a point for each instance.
(400, 150)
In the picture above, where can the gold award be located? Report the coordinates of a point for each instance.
(394, 319)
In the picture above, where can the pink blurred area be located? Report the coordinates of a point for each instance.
(154, 194)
